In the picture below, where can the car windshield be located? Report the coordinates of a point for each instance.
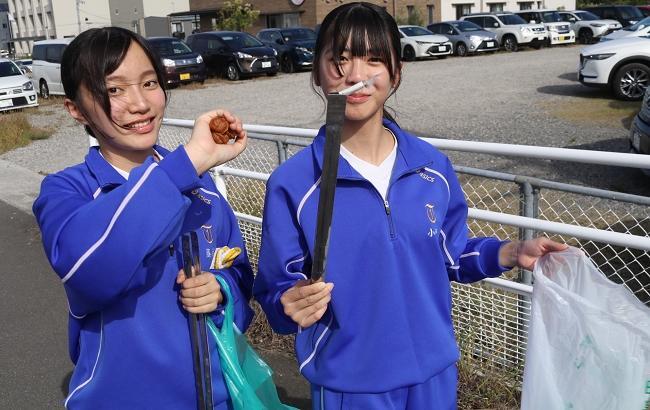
(466, 26)
(414, 31)
(551, 17)
(171, 48)
(511, 19)
(8, 69)
(237, 41)
(586, 15)
(639, 26)
(301, 34)
(629, 12)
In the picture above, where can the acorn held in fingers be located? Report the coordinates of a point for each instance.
(220, 129)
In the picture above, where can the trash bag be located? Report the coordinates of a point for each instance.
(588, 341)
(249, 380)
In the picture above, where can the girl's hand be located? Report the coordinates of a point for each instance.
(305, 303)
(204, 152)
(199, 294)
(524, 254)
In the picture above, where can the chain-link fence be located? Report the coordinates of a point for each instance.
(491, 323)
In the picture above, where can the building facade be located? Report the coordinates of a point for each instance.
(309, 13)
(44, 19)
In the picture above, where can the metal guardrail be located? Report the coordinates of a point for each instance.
(491, 317)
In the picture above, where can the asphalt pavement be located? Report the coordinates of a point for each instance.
(33, 311)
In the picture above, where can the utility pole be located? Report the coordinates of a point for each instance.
(78, 17)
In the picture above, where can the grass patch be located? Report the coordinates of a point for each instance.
(599, 111)
(16, 131)
(52, 100)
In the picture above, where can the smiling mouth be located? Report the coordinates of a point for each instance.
(138, 124)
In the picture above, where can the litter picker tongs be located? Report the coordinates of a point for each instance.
(334, 118)
(198, 332)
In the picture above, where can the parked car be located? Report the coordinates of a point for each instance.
(234, 54)
(640, 130)
(641, 28)
(626, 15)
(645, 10)
(559, 32)
(622, 65)
(512, 31)
(588, 26)
(16, 89)
(182, 65)
(25, 64)
(46, 66)
(418, 42)
(295, 46)
(466, 37)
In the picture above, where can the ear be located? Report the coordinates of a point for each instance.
(398, 76)
(74, 111)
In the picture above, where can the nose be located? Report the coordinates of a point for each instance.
(138, 102)
(357, 71)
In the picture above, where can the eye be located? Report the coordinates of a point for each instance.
(375, 59)
(112, 91)
(150, 84)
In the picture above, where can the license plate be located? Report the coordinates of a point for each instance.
(266, 64)
(442, 48)
(490, 43)
(541, 38)
(562, 38)
(185, 76)
(636, 140)
(6, 103)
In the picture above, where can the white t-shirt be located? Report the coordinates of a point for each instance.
(124, 173)
(377, 175)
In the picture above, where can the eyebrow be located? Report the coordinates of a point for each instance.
(111, 77)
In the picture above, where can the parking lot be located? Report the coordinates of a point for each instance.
(530, 97)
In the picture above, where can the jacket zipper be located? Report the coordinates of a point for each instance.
(391, 225)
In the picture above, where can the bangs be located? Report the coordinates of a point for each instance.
(362, 32)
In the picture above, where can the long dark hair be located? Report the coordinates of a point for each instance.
(369, 29)
(93, 55)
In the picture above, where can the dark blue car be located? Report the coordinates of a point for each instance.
(181, 64)
(295, 46)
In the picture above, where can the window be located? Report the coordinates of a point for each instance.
(463, 9)
(525, 5)
(496, 7)
(410, 11)
(283, 20)
(477, 20)
(274, 36)
(540, 5)
(53, 53)
(430, 13)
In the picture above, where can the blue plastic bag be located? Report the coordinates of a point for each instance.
(249, 380)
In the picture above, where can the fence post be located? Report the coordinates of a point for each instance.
(528, 208)
(220, 182)
(282, 151)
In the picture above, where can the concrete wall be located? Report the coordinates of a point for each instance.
(155, 26)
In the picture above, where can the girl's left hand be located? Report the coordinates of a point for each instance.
(524, 254)
(199, 294)
(204, 152)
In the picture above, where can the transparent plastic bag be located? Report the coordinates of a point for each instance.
(249, 380)
(588, 341)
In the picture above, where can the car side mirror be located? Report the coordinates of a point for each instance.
(496, 25)
(532, 22)
(572, 19)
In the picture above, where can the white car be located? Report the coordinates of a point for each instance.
(622, 65)
(641, 28)
(589, 26)
(418, 42)
(559, 32)
(16, 90)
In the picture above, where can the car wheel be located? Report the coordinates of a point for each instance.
(510, 43)
(44, 90)
(630, 81)
(585, 36)
(461, 49)
(408, 54)
(232, 72)
(287, 64)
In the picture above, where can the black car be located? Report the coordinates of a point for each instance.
(640, 130)
(181, 64)
(234, 54)
(626, 15)
(295, 46)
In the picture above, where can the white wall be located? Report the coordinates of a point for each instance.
(162, 8)
(65, 16)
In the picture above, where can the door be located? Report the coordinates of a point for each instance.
(52, 67)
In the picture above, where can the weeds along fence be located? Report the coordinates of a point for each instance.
(491, 317)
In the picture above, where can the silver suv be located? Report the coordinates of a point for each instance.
(559, 32)
(588, 26)
(512, 31)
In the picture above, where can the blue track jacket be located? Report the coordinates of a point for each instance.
(389, 322)
(116, 246)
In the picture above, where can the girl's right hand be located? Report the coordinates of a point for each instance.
(305, 303)
(204, 152)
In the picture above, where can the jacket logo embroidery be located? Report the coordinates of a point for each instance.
(207, 233)
(426, 176)
(431, 212)
(224, 257)
(197, 194)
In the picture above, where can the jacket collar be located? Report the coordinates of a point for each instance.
(104, 172)
(410, 155)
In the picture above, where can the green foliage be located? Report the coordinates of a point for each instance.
(237, 15)
(414, 19)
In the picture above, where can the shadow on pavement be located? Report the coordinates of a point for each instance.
(569, 76)
(575, 90)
